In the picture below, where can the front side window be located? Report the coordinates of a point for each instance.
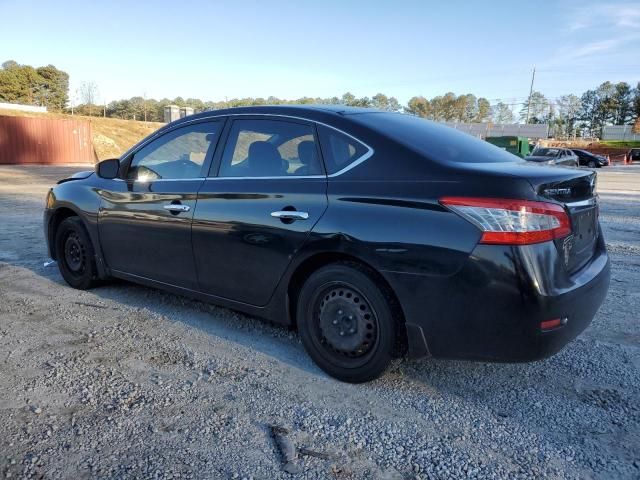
(270, 148)
(178, 154)
(339, 150)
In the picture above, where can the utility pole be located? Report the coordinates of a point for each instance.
(533, 76)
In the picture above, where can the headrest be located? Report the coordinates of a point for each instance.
(307, 152)
(264, 159)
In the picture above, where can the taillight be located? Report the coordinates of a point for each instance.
(512, 222)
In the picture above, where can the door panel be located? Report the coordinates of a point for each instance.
(244, 236)
(141, 236)
(241, 250)
(145, 219)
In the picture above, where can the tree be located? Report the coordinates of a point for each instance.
(56, 85)
(599, 107)
(501, 113)
(88, 93)
(483, 110)
(419, 106)
(364, 102)
(539, 109)
(606, 105)
(383, 102)
(568, 114)
(46, 86)
(9, 64)
(120, 109)
(467, 108)
(636, 102)
(348, 99)
(450, 107)
(589, 105)
(622, 104)
(20, 84)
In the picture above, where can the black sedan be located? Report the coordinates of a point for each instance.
(374, 234)
(591, 160)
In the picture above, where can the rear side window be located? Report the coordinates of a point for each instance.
(435, 141)
(270, 148)
(339, 150)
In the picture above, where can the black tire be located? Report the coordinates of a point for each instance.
(346, 322)
(592, 164)
(75, 254)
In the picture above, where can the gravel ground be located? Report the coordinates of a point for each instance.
(127, 381)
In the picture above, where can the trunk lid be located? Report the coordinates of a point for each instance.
(576, 190)
(578, 194)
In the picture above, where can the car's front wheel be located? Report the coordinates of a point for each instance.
(74, 253)
(592, 164)
(346, 322)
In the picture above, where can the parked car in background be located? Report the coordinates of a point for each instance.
(591, 160)
(634, 155)
(375, 234)
(554, 156)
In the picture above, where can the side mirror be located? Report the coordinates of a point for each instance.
(108, 168)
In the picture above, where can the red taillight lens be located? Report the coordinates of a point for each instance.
(512, 222)
(550, 324)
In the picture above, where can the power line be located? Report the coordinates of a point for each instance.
(533, 76)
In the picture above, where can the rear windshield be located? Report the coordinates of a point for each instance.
(546, 152)
(435, 141)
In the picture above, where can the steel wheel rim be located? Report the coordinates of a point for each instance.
(346, 325)
(74, 254)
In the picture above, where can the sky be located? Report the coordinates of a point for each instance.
(321, 48)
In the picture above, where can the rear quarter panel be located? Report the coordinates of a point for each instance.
(397, 226)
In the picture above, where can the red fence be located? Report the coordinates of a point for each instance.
(45, 141)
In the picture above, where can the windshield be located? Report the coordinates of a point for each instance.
(546, 152)
(434, 140)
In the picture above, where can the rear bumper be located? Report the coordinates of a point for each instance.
(492, 308)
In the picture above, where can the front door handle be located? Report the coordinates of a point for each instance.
(290, 215)
(176, 207)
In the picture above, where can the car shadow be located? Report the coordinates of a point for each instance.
(282, 343)
(276, 341)
(279, 342)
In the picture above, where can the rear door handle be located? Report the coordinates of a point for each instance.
(177, 208)
(290, 215)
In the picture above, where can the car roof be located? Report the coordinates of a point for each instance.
(306, 110)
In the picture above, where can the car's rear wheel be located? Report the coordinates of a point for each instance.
(346, 322)
(75, 255)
